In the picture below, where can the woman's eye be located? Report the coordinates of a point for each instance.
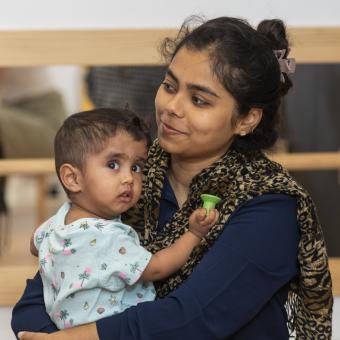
(136, 168)
(168, 87)
(113, 165)
(198, 101)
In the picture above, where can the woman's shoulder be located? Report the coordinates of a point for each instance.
(265, 176)
(273, 199)
(268, 204)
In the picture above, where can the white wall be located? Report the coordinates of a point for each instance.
(68, 81)
(61, 14)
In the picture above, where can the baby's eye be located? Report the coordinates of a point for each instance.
(113, 165)
(136, 168)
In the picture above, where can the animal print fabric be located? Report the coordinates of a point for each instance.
(237, 178)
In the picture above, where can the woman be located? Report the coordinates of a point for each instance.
(217, 109)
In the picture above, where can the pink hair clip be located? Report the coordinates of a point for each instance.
(287, 65)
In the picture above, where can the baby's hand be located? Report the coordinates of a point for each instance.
(200, 223)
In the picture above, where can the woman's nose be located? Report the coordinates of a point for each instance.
(175, 106)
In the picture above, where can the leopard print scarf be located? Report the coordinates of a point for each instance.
(237, 179)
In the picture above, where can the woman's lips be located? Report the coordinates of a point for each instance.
(168, 129)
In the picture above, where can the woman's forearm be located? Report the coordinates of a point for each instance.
(83, 332)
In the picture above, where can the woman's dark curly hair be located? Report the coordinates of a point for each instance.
(243, 60)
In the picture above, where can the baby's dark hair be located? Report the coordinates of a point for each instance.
(88, 132)
(243, 60)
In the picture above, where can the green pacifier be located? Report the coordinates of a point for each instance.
(209, 201)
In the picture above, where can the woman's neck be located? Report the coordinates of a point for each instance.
(181, 173)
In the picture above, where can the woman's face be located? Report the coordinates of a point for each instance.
(193, 110)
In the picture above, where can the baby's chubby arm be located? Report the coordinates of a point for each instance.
(167, 261)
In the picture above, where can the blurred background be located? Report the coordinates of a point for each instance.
(61, 57)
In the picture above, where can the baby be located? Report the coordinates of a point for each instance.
(91, 264)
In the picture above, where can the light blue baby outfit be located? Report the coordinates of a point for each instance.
(90, 268)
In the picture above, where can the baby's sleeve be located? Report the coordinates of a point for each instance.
(124, 262)
(40, 234)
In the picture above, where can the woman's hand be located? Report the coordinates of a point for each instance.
(33, 336)
(84, 332)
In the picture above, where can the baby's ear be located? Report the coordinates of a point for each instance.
(71, 177)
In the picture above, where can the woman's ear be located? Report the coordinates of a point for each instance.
(248, 124)
(71, 177)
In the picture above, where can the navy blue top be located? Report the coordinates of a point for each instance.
(237, 292)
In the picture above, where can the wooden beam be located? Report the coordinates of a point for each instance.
(136, 46)
(81, 47)
(308, 161)
(334, 265)
(27, 166)
(292, 161)
(315, 44)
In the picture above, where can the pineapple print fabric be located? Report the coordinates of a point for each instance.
(90, 268)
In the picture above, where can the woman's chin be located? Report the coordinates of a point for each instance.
(169, 145)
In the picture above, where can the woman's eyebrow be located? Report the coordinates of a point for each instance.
(190, 86)
(202, 89)
(171, 75)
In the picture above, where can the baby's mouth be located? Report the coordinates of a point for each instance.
(125, 196)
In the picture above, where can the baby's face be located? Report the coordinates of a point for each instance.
(112, 178)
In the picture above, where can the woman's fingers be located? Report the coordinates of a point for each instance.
(32, 336)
